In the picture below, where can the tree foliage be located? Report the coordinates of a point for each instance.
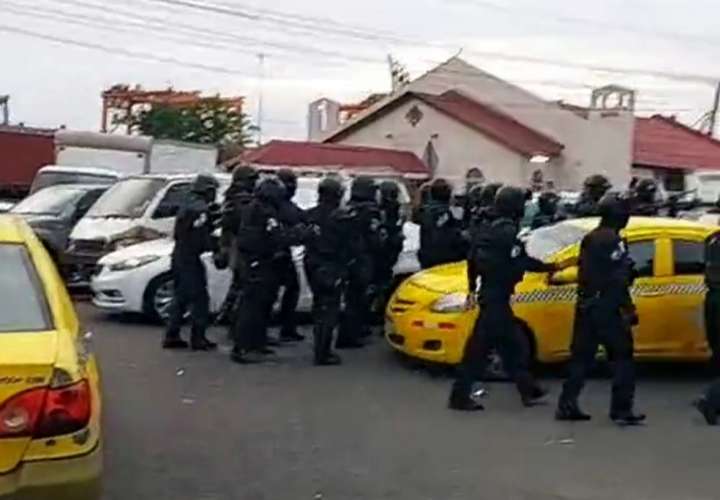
(211, 121)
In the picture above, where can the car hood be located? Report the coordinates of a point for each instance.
(162, 247)
(448, 278)
(101, 228)
(39, 219)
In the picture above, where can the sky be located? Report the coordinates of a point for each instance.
(58, 55)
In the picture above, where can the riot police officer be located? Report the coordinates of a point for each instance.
(594, 188)
(238, 196)
(261, 237)
(441, 238)
(364, 243)
(326, 261)
(644, 203)
(500, 259)
(481, 205)
(712, 299)
(391, 233)
(547, 214)
(193, 237)
(421, 203)
(604, 315)
(291, 216)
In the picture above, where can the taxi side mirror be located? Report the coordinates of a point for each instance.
(566, 276)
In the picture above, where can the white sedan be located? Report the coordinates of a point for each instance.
(137, 278)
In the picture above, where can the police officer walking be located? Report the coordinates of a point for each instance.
(712, 299)
(237, 197)
(260, 238)
(547, 214)
(604, 315)
(500, 259)
(644, 202)
(291, 216)
(326, 261)
(441, 238)
(391, 233)
(193, 237)
(365, 242)
(594, 188)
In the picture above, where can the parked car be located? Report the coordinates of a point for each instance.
(6, 205)
(54, 211)
(53, 175)
(427, 317)
(137, 278)
(50, 396)
(133, 210)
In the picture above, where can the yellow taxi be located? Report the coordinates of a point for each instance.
(50, 440)
(426, 317)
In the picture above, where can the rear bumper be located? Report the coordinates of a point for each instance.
(75, 478)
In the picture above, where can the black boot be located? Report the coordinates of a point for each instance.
(464, 404)
(627, 418)
(202, 344)
(291, 336)
(331, 359)
(174, 342)
(246, 357)
(571, 412)
(535, 397)
(706, 411)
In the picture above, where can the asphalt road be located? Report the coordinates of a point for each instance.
(194, 426)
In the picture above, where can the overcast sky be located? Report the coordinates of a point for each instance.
(338, 49)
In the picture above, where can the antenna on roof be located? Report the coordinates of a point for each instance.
(399, 75)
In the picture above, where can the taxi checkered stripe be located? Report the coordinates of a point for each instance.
(569, 293)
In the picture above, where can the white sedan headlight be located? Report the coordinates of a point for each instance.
(450, 303)
(133, 263)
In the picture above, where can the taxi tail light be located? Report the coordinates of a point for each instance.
(46, 412)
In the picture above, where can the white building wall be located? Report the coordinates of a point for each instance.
(459, 148)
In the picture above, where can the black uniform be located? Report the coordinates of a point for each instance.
(644, 203)
(441, 234)
(500, 259)
(261, 238)
(712, 298)
(364, 243)
(237, 197)
(604, 315)
(326, 262)
(594, 187)
(391, 232)
(547, 214)
(291, 216)
(193, 237)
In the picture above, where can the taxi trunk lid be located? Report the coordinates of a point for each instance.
(26, 363)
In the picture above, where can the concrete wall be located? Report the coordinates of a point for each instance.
(601, 143)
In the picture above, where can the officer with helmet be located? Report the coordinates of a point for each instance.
(326, 261)
(500, 260)
(441, 238)
(547, 214)
(193, 237)
(261, 237)
(594, 188)
(391, 232)
(604, 315)
(644, 202)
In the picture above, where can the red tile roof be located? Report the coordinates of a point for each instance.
(494, 124)
(665, 143)
(317, 154)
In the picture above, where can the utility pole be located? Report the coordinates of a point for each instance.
(714, 112)
(5, 105)
(261, 81)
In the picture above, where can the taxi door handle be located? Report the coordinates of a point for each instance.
(651, 294)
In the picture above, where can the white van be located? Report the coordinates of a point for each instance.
(135, 209)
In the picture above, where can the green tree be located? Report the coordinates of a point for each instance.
(211, 121)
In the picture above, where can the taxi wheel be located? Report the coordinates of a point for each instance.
(158, 297)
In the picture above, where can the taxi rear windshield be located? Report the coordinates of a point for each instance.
(23, 307)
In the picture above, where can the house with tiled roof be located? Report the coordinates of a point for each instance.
(457, 119)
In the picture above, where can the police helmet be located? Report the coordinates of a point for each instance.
(363, 189)
(270, 190)
(289, 180)
(597, 184)
(488, 193)
(474, 196)
(548, 202)
(330, 190)
(510, 202)
(614, 210)
(440, 190)
(244, 176)
(646, 189)
(205, 185)
(389, 191)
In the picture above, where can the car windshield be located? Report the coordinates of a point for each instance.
(50, 201)
(47, 179)
(21, 312)
(546, 241)
(128, 198)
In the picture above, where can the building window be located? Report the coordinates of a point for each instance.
(674, 181)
